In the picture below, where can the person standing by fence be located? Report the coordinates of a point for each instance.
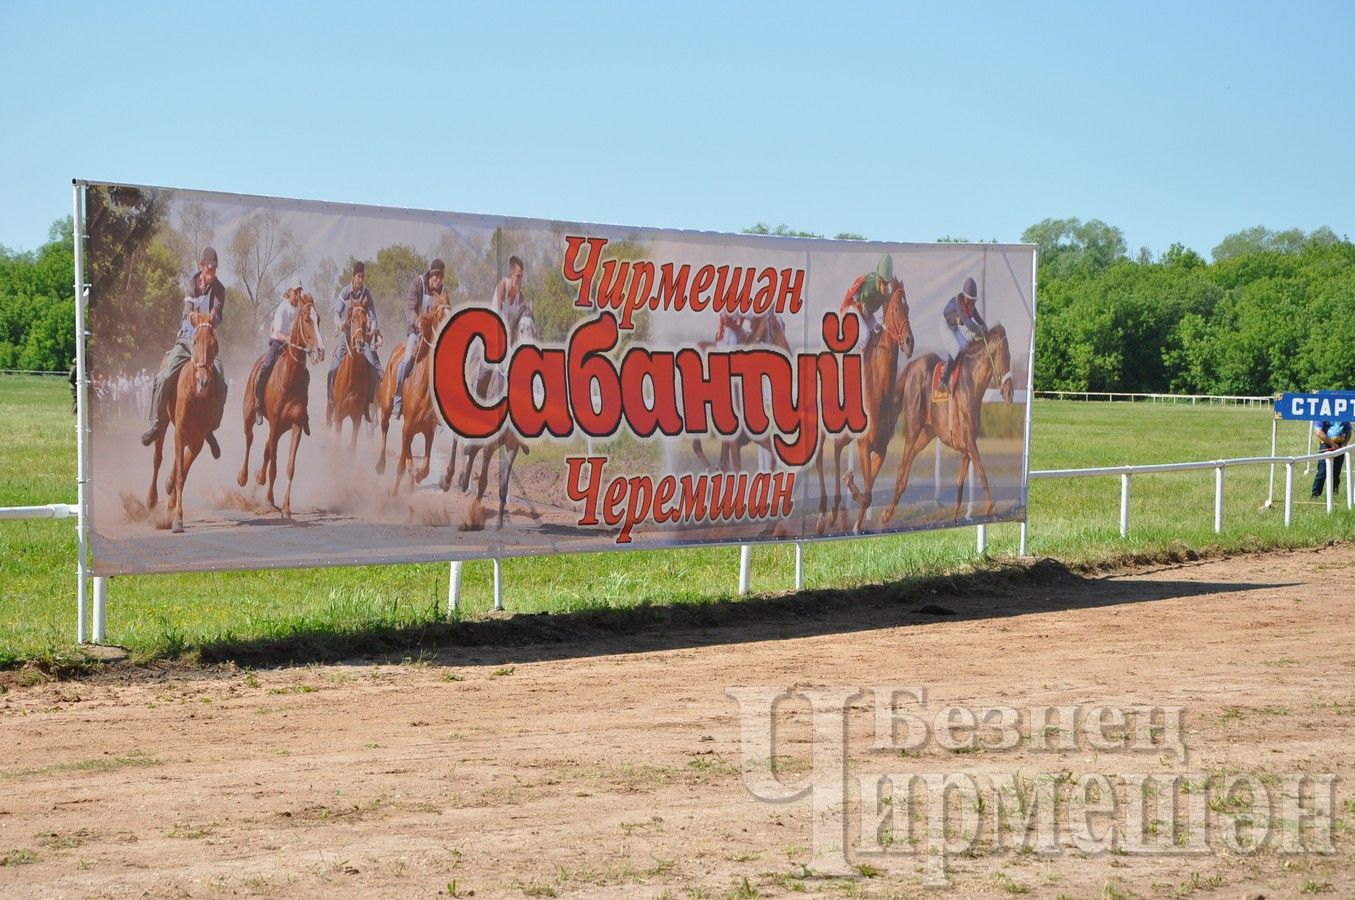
(1331, 436)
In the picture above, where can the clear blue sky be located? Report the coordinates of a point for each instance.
(1174, 121)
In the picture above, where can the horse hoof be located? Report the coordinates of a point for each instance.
(381, 466)
(445, 483)
(887, 516)
(241, 479)
(177, 527)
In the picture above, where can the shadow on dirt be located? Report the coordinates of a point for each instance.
(1006, 589)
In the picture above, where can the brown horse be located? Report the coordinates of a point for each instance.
(419, 415)
(353, 379)
(768, 329)
(954, 421)
(880, 364)
(284, 401)
(488, 383)
(196, 398)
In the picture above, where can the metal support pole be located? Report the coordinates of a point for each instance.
(1218, 499)
(498, 584)
(1023, 550)
(1124, 504)
(1274, 430)
(1288, 493)
(745, 560)
(1350, 486)
(1330, 468)
(100, 619)
(81, 417)
(799, 566)
(454, 589)
(983, 540)
(1309, 451)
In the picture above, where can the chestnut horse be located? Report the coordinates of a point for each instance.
(196, 398)
(880, 365)
(353, 379)
(490, 382)
(768, 329)
(284, 401)
(954, 421)
(419, 415)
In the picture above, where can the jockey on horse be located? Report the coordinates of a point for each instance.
(355, 294)
(869, 292)
(279, 337)
(205, 295)
(421, 297)
(960, 324)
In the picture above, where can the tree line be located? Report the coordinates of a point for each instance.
(1271, 310)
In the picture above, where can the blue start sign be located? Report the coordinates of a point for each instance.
(1330, 405)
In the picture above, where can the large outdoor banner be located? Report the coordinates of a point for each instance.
(292, 383)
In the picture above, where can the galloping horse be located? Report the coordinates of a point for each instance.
(768, 329)
(880, 363)
(353, 379)
(284, 401)
(954, 421)
(490, 382)
(419, 415)
(196, 398)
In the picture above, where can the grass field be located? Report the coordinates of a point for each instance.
(324, 613)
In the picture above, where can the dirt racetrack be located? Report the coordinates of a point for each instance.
(610, 765)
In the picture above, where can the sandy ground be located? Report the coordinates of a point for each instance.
(612, 766)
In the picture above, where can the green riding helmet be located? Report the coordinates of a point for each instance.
(886, 268)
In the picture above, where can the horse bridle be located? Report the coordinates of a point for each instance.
(992, 361)
(896, 335)
(196, 329)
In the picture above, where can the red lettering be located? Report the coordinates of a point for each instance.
(584, 276)
(792, 295)
(704, 276)
(580, 494)
(461, 410)
(588, 366)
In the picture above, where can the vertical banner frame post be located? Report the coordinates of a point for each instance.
(453, 589)
(1030, 397)
(1274, 433)
(745, 563)
(799, 566)
(81, 417)
(1331, 467)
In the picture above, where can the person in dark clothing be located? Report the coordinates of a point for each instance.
(1330, 436)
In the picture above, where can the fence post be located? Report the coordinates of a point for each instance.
(1218, 499)
(100, 623)
(983, 540)
(745, 560)
(1330, 468)
(799, 566)
(1350, 488)
(498, 584)
(1288, 493)
(454, 589)
(1124, 504)
(1023, 549)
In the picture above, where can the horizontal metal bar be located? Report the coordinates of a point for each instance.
(1179, 467)
(50, 511)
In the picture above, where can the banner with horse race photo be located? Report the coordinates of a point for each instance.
(295, 383)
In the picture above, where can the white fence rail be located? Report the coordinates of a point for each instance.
(1218, 465)
(1192, 399)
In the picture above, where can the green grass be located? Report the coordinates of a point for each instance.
(327, 612)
